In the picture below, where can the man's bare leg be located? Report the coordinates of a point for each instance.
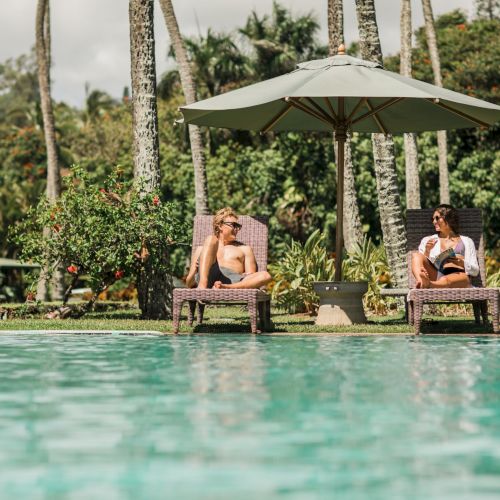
(208, 256)
(422, 269)
(254, 280)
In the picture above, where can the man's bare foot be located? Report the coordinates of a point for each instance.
(423, 271)
(219, 285)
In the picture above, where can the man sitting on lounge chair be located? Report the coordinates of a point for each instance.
(222, 261)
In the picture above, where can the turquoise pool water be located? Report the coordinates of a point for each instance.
(236, 416)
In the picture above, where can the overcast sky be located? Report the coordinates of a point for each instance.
(90, 38)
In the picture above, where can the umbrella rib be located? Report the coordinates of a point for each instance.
(380, 107)
(305, 109)
(437, 102)
(330, 107)
(376, 117)
(353, 112)
(276, 118)
(321, 110)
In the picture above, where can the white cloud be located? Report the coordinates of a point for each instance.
(90, 39)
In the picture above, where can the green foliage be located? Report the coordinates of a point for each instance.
(302, 265)
(367, 262)
(296, 271)
(105, 231)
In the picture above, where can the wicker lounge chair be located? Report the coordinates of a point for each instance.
(418, 225)
(254, 233)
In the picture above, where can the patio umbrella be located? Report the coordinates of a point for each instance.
(340, 94)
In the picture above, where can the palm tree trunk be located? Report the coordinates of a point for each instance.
(444, 184)
(42, 42)
(154, 289)
(391, 216)
(352, 229)
(410, 140)
(188, 87)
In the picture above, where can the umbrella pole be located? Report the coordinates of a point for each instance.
(340, 137)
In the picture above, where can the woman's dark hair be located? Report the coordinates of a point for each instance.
(450, 215)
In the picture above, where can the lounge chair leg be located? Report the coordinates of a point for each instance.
(192, 306)
(495, 314)
(261, 306)
(411, 313)
(407, 312)
(418, 307)
(484, 311)
(177, 306)
(201, 310)
(476, 306)
(252, 311)
(268, 315)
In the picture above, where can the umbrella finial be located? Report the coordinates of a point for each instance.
(341, 50)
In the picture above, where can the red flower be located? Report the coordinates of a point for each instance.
(102, 190)
(30, 296)
(119, 274)
(461, 27)
(156, 200)
(72, 269)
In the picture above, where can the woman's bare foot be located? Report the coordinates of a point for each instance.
(425, 282)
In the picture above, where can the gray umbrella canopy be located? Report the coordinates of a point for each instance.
(375, 100)
(342, 93)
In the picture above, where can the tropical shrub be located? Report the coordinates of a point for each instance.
(302, 265)
(367, 262)
(106, 232)
(294, 274)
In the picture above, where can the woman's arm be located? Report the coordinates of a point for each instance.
(471, 265)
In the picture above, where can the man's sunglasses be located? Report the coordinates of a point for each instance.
(234, 225)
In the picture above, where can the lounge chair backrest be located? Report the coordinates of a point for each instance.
(254, 233)
(419, 224)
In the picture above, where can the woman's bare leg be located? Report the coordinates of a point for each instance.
(422, 269)
(456, 280)
(208, 256)
(254, 280)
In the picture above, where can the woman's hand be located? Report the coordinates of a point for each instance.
(429, 246)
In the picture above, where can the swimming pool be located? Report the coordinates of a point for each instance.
(238, 416)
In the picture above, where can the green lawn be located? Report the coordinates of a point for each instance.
(234, 319)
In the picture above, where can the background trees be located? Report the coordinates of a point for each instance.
(290, 177)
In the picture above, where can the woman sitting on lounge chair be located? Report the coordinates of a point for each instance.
(445, 259)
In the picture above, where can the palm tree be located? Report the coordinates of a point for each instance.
(352, 229)
(154, 289)
(188, 87)
(391, 216)
(42, 44)
(430, 30)
(488, 9)
(410, 140)
(218, 62)
(280, 41)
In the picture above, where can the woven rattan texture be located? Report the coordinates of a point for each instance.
(419, 224)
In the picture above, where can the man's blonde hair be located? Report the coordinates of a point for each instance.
(220, 216)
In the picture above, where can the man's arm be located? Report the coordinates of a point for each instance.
(250, 263)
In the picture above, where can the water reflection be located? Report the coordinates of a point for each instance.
(235, 416)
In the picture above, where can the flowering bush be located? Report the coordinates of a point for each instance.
(105, 233)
